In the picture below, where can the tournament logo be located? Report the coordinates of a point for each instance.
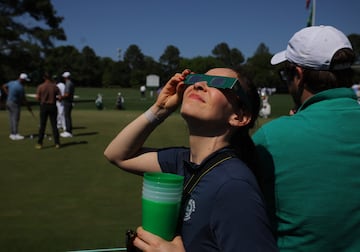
(190, 208)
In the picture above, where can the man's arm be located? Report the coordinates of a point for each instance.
(5, 88)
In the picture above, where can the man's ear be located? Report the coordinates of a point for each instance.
(299, 73)
(239, 119)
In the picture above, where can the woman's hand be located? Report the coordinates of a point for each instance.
(149, 242)
(171, 95)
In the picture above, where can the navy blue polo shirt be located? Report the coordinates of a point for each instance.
(225, 211)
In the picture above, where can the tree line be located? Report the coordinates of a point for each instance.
(30, 48)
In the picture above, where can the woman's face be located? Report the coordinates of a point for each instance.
(208, 104)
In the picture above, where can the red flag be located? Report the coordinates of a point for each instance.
(308, 4)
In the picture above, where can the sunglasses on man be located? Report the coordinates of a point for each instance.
(287, 74)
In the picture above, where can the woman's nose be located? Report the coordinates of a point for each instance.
(201, 85)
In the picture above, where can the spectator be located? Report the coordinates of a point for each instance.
(312, 158)
(143, 91)
(60, 107)
(99, 102)
(120, 101)
(68, 100)
(225, 211)
(15, 93)
(46, 94)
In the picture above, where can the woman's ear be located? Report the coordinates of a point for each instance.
(239, 119)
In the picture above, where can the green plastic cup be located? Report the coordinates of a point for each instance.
(160, 218)
(155, 188)
(161, 207)
(163, 180)
(161, 196)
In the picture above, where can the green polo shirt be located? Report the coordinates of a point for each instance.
(312, 165)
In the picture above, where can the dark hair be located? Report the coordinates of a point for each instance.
(316, 81)
(47, 75)
(241, 141)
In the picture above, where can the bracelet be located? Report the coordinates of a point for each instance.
(150, 116)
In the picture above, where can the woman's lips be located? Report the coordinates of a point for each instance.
(196, 97)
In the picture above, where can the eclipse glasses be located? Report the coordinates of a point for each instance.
(219, 82)
(212, 81)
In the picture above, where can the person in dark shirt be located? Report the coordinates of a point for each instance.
(68, 99)
(225, 211)
(47, 94)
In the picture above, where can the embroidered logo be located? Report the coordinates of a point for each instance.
(190, 208)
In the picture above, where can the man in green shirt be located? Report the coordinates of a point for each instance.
(312, 158)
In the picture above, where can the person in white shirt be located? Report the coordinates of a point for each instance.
(60, 108)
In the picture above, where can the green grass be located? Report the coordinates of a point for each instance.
(86, 97)
(72, 198)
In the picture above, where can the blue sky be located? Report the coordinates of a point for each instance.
(195, 27)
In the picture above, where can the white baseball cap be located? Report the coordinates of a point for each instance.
(313, 47)
(24, 76)
(66, 74)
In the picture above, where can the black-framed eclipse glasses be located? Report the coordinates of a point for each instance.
(219, 82)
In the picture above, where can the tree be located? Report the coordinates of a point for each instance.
(89, 68)
(115, 73)
(201, 64)
(107, 66)
(260, 69)
(170, 61)
(134, 57)
(26, 28)
(63, 58)
(262, 49)
(355, 42)
(230, 57)
(151, 66)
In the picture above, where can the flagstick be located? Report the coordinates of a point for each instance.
(313, 13)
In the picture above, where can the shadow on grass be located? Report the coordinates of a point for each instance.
(79, 127)
(35, 136)
(86, 134)
(64, 145)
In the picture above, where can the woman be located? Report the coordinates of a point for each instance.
(225, 211)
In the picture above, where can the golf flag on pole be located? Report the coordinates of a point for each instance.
(311, 18)
(309, 21)
(307, 4)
